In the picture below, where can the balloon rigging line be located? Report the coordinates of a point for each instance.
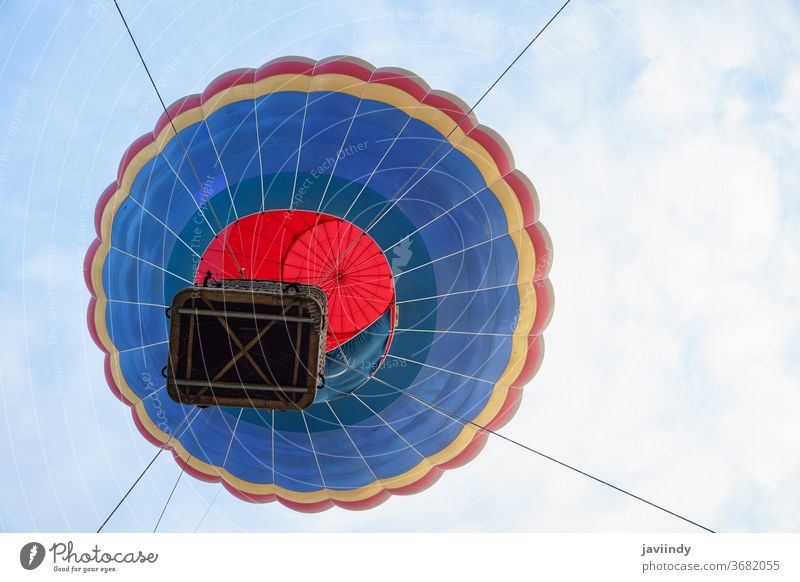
(471, 109)
(498, 301)
(210, 505)
(139, 303)
(258, 150)
(443, 214)
(175, 486)
(446, 370)
(261, 165)
(480, 333)
(171, 493)
(142, 347)
(154, 392)
(153, 460)
(177, 135)
(378, 165)
(344, 141)
(452, 293)
(393, 202)
(164, 224)
(352, 442)
(446, 212)
(522, 52)
(313, 449)
(387, 208)
(460, 251)
(384, 421)
(224, 461)
(222, 169)
(189, 193)
(390, 204)
(273, 417)
(300, 143)
(255, 112)
(464, 421)
(146, 262)
(336, 161)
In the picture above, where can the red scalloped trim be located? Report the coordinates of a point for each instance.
(138, 145)
(284, 66)
(87, 263)
(421, 484)
(530, 210)
(180, 106)
(90, 323)
(498, 153)
(100, 208)
(402, 82)
(228, 80)
(528, 201)
(544, 250)
(343, 67)
(365, 504)
(508, 410)
(451, 109)
(471, 451)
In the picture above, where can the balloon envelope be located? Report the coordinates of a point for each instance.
(410, 216)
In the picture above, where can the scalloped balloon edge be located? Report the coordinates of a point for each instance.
(522, 187)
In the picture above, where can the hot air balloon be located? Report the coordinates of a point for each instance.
(366, 184)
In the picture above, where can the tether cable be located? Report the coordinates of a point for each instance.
(171, 493)
(394, 200)
(465, 421)
(180, 140)
(153, 460)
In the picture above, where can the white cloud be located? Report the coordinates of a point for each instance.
(661, 137)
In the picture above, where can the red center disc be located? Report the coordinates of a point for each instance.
(316, 249)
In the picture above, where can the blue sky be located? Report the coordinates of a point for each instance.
(662, 138)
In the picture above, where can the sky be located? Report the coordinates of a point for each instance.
(662, 138)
